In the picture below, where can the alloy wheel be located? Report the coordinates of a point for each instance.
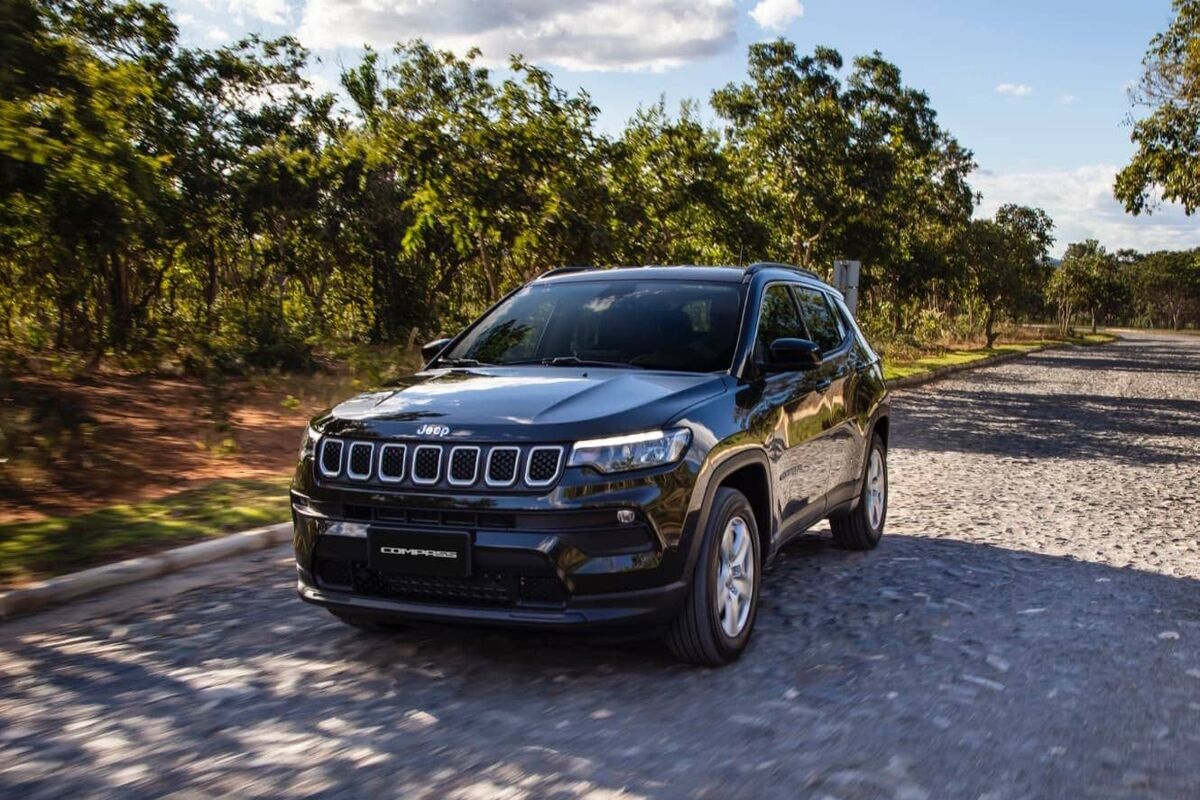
(876, 490)
(734, 586)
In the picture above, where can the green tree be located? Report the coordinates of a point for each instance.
(858, 169)
(792, 132)
(677, 198)
(1005, 258)
(1167, 159)
(1166, 287)
(1088, 280)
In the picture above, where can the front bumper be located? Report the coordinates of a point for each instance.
(643, 608)
(560, 560)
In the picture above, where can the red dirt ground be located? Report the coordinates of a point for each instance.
(73, 446)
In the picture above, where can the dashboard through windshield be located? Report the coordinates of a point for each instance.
(688, 326)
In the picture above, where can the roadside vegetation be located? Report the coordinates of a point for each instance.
(55, 545)
(198, 248)
(1024, 342)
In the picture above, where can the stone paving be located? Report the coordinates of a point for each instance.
(1029, 627)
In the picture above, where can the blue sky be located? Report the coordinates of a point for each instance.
(1036, 89)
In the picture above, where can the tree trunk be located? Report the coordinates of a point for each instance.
(1093, 320)
(210, 287)
(896, 311)
(989, 325)
(120, 311)
(487, 269)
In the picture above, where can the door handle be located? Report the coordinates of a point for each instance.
(823, 385)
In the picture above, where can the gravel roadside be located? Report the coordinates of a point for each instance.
(1029, 627)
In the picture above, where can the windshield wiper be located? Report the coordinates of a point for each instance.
(576, 361)
(463, 362)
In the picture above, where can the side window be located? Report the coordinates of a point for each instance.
(839, 318)
(777, 320)
(823, 327)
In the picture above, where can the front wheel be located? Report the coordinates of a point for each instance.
(714, 626)
(861, 528)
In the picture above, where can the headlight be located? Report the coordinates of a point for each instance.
(635, 451)
(308, 445)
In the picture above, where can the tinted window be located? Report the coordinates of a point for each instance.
(671, 325)
(823, 327)
(778, 320)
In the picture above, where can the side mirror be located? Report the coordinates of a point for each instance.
(791, 355)
(428, 351)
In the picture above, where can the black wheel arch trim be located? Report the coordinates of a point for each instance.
(697, 515)
(883, 412)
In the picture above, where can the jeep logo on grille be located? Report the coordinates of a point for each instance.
(433, 430)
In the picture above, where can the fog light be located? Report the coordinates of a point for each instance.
(624, 516)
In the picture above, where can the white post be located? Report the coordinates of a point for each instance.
(845, 279)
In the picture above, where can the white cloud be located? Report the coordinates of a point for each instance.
(1082, 205)
(580, 35)
(777, 14)
(184, 18)
(1066, 99)
(245, 13)
(217, 34)
(1015, 89)
(274, 11)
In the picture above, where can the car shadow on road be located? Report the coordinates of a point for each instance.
(930, 655)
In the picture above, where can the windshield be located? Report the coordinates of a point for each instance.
(654, 324)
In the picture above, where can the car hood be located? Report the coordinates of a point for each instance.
(532, 404)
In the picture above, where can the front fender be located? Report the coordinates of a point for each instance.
(720, 464)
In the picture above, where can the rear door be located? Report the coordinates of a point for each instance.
(839, 443)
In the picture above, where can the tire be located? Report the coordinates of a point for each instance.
(367, 624)
(701, 633)
(861, 528)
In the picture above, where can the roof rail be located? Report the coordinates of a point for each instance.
(564, 271)
(759, 266)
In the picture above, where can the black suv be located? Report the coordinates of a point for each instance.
(602, 448)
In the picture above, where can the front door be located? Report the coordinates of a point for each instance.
(840, 443)
(791, 406)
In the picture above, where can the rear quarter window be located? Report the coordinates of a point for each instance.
(823, 325)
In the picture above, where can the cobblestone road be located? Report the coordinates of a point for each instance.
(1029, 627)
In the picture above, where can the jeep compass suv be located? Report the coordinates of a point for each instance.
(602, 448)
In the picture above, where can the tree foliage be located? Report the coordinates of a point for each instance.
(1089, 280)
(1005, 261)
(1167, 159)
(210, 205)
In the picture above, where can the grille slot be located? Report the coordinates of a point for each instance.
(358, 513)
(487, 588)
(331, 457)
(463, 519)
(358, 465)
(427, 464)
(542, 467)
(464, 465)
(391, 463)
(502, 466)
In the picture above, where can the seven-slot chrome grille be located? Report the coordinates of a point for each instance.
(447, 466)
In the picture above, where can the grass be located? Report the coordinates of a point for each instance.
(52, 546)
(906, 368)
